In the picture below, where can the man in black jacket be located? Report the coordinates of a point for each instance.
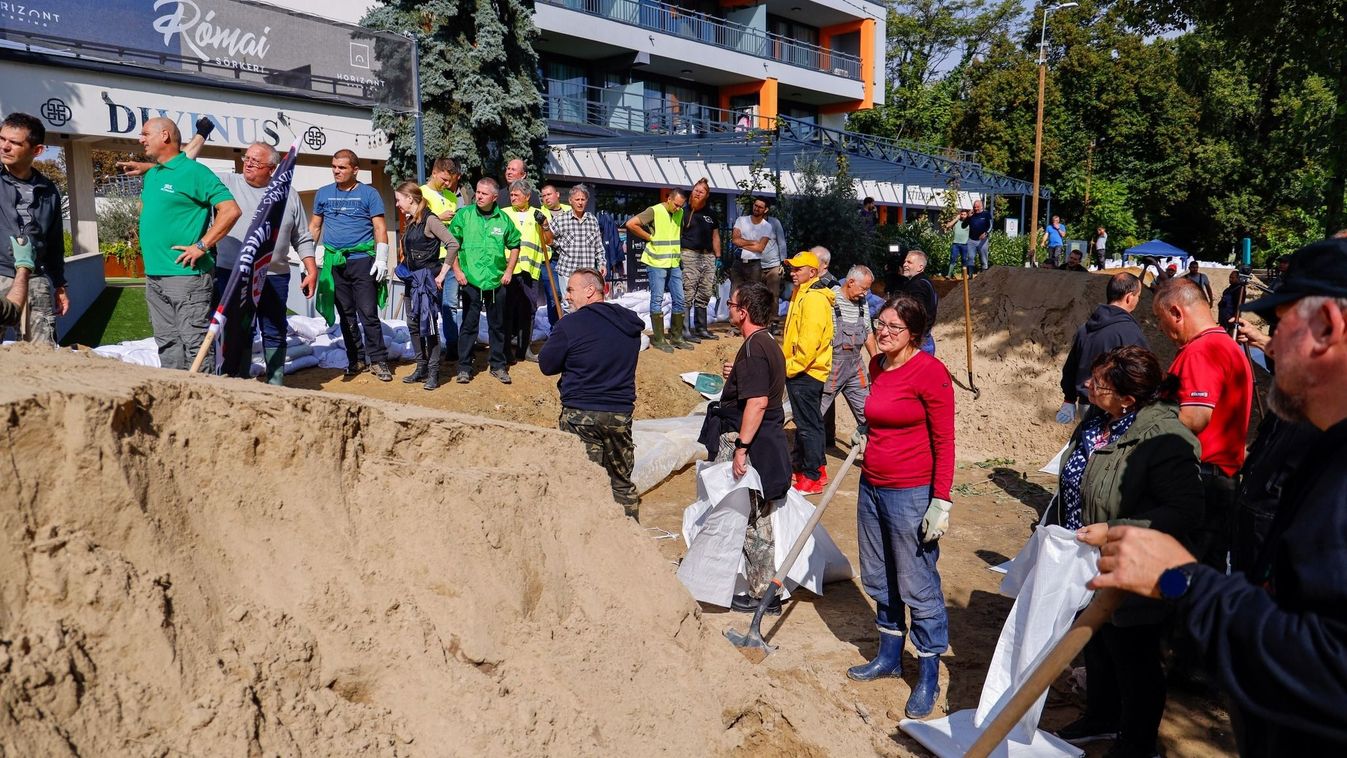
(1273, 636)
(1111, 326)
(30, 209)
(918, 285)
(595, 349)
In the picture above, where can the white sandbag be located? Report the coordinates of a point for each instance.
(542, 327)
(664, 446)
(299, 363)
(713, 569)
(1054, 466)
(331, 357)
(307, 327)
(952, 736)
(722, 310)
(1047, 579)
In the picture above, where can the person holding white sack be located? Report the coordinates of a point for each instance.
(1130, 461)
(903, 507)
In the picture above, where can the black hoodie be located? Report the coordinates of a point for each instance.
(1108, 328)
(594, 349)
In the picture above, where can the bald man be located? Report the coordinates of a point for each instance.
(177, 235)
(1215, 397)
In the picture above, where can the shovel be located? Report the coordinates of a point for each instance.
(968, 335)
(1059, 657)
(752, 639)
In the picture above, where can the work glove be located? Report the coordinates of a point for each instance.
(204, 126)
(858, 438)
(380, 269)
(936, 521)
(1067, 413)
(23, 252)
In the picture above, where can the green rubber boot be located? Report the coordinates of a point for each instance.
(657, 340)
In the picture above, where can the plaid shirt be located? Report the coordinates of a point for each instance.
(577, 243)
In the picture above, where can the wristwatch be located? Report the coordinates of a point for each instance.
(1174, 582)
(740, 444)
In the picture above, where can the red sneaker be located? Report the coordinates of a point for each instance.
(795, 479)
(809, 486)
(823, 476)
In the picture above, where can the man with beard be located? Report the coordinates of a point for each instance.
(1273, 635)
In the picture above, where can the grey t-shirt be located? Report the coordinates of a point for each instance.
(294, 232)
(25, 204)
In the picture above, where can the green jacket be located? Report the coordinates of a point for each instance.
(1147, 477)
(485, 242)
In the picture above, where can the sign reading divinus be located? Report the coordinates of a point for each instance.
(234, 41)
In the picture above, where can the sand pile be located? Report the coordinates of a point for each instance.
(1023, 324)
(211, 567)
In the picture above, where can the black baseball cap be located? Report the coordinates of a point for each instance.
(1316, 269)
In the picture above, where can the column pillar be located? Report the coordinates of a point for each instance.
(79, 163)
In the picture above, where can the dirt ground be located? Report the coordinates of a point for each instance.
(1023, 322)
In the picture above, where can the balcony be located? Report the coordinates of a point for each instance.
(700, 27)
(615, 111)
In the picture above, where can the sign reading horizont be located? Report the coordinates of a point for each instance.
(229, 40)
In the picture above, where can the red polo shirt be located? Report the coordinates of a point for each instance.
(1213, 373)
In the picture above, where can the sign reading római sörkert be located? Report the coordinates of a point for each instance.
(225, 41)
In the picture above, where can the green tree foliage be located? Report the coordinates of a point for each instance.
(480, 86)
(1228, 125)
(825, 212)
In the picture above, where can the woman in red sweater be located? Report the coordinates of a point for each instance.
(904, 500)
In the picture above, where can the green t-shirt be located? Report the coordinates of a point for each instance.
(961, 231)
(485, 240)
(176, 202)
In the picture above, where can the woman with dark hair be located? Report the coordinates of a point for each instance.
(423, 278)
(1130, 461)
(904, 504)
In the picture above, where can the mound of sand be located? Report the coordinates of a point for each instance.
(1023, 324)
(196, 566)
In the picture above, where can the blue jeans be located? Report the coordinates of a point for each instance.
(662, 279)
(960, 254)
(897, 569)
(545, 284)
(271, 322)
(449, 311)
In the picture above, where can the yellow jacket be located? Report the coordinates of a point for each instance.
(808, 343)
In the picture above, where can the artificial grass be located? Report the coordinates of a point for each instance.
(119, 314)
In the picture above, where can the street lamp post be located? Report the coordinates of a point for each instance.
(1038, 126)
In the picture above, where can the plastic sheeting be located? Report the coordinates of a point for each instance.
(1047, 580)
(663, 446)
(714, 526)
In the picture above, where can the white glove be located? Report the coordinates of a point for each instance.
(380, 269)
(936, 521)
(1067, 414)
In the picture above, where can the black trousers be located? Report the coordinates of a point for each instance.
(473, 300)
(1125, 682)
(357, 295)
(806, 397)
(1218, 519)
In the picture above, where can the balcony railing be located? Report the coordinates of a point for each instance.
(616, 110)
(694, 25)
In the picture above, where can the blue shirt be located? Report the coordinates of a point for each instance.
(346, 214)
(1055, 236)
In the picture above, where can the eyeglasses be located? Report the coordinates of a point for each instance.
(884, 326)
(733, 304)
(252, 162)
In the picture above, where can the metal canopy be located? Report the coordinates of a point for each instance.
(788, 141)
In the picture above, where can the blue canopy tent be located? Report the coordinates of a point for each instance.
(1155, 249)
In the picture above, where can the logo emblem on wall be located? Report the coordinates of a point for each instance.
(315, 138)
(359, 55)
(56, 112)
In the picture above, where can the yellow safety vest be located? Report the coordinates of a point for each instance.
(532, 253)
(665, 246)
(438, 203)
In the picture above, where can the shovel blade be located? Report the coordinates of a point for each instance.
(752, 639)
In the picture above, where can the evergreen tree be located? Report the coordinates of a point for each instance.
(480, 87)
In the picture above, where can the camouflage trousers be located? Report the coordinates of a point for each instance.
(759, 544)
(41, 325)
(608, 442)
